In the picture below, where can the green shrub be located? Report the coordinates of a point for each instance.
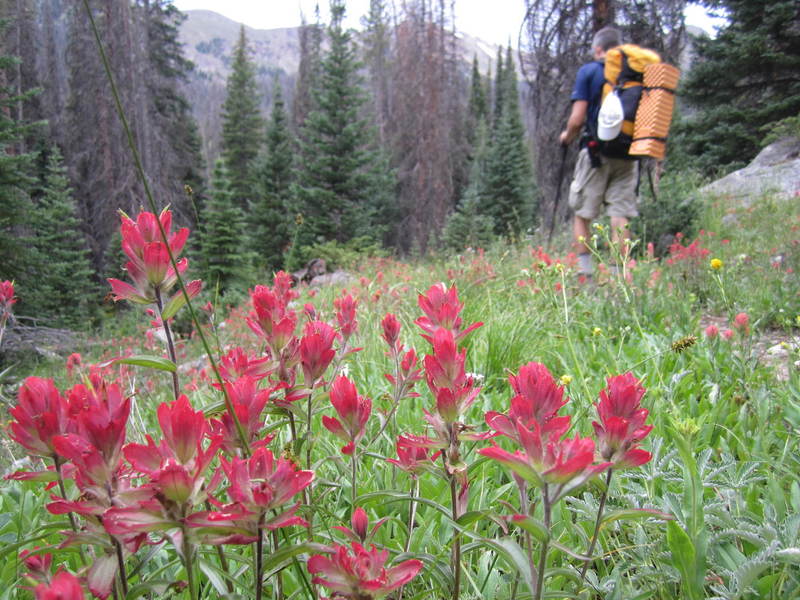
(676, 207)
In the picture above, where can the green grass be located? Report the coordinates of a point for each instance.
(724, 443)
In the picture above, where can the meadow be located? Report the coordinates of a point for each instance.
(316, 456)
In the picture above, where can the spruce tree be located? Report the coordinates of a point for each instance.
(510, 193)
(470, 225)
(337, 173)
(742, 81)
(223, 243)
(242, 124)
(64, 287)
(272, 210)
(15, 177)
(499, 91)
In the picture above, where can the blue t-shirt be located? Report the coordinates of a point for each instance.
(589, 86)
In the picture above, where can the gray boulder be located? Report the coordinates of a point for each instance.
(776, 170)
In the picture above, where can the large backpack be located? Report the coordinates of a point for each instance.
(625, 73)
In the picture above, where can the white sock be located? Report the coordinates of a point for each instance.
(585, 264)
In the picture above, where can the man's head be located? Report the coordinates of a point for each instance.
(604, 40)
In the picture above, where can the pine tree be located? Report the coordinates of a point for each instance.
(478, 107)
(179, 159)
(470, 225)
(16, 167)
(242, 124)
(499, 91)
(308, 72)
(335, 180)
(272, 212)
(63, 287)
(509, 196)
(223, 244)
(742, 81)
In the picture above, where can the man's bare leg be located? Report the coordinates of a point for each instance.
(580, 233)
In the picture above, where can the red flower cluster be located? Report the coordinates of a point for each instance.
(556, 464)
(356, 573)
(150, 266)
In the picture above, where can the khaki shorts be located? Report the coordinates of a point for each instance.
(612, 184)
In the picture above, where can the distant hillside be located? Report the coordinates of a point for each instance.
(209, 39)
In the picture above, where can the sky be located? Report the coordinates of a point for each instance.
(494, 21)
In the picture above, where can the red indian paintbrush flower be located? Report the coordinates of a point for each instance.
(410, 458)
(237, 363)
(260, 488)
(64, 586)
(271, 319)
(346, 307)
(538, 398)
(454, 390)
(316, 350)
(442, 310)
(360, 574)
(391, 333)
(7, 298)
(41, 413)
(353, 411)
(149, 266)
(360, 532)
(560, 465)
(101, 414)
(622, 422)
(248, 402)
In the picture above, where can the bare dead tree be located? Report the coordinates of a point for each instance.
(424, 124)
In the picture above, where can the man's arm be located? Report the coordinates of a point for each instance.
(577, 118)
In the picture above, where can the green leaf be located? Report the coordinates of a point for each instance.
(683, 558)
(533, 526)
(394, 496)
(790, 555)
(151, 362)
(275, 561)
(177, 302)
(628, 514)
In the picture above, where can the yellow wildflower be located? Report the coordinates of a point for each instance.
(716, 264)
(566, 379)
(597, 331)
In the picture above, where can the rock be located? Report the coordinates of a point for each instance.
(336, 278)
(775, 170)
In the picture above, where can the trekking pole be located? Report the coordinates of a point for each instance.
(558, 194)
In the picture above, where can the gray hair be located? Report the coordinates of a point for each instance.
(607, 38)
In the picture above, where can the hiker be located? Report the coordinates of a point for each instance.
(599, 180)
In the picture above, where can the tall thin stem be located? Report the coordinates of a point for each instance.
(123, 577)
(279, 574)
(597, 523)
(188, 563)
(152, 203)
(259, 563)
(545, 546)
(412, 513)
(354, 473)
(170, 345)
(456, 541)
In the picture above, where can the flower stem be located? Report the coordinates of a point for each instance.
(597, 524)
(456, 541)
(170, 345)
(545, 546)
(279, 574)
(188, 563)
(259, 563)
(412, 512)
(123, 577)
(354, 486)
